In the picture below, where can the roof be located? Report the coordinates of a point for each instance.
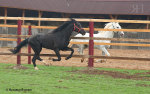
(127, 7)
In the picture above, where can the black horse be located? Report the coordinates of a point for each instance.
(56, 40)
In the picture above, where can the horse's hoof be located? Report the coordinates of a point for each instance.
(56, 59)
(82, 60)
(67, 58)
(52, 59)
(36, 68)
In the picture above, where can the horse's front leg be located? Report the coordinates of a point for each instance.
(80, 50)
(104, 52)
(68, 49)
(57, 54)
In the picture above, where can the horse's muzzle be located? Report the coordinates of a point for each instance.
(121, 35)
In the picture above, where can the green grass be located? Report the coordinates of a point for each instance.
(55, 80)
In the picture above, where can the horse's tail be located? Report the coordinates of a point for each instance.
(17, 49)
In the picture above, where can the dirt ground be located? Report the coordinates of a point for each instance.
(115, 74)
(123, 64)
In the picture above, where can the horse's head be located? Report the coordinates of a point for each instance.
(77, 27)
(115, 25)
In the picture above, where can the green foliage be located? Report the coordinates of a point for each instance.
(57, 80)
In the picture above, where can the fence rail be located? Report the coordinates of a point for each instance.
(96, 29)
(81, 20)
(82, 56)
(95, 43)
(94, 38)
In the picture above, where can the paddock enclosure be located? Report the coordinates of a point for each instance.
(121, 57)
(19, 20)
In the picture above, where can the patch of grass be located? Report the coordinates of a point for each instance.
(57, 80)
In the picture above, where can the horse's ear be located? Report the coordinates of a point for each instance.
(117, 23)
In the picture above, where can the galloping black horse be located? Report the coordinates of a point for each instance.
(56, 40)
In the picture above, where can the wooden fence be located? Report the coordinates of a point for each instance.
(80, 20)
(9, 37)
(83, 56)
(96, 38)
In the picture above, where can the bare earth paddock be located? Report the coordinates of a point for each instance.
(123, 64)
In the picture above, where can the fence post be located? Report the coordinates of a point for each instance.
(91, 44)
(18, 41)
(29, 47)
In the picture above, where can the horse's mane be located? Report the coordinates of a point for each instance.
(60, 28)
(108, 24)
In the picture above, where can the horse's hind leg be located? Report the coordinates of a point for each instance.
(38, 58)
(34, 60)
(57, 54)
(37, 49)
(103, 60)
